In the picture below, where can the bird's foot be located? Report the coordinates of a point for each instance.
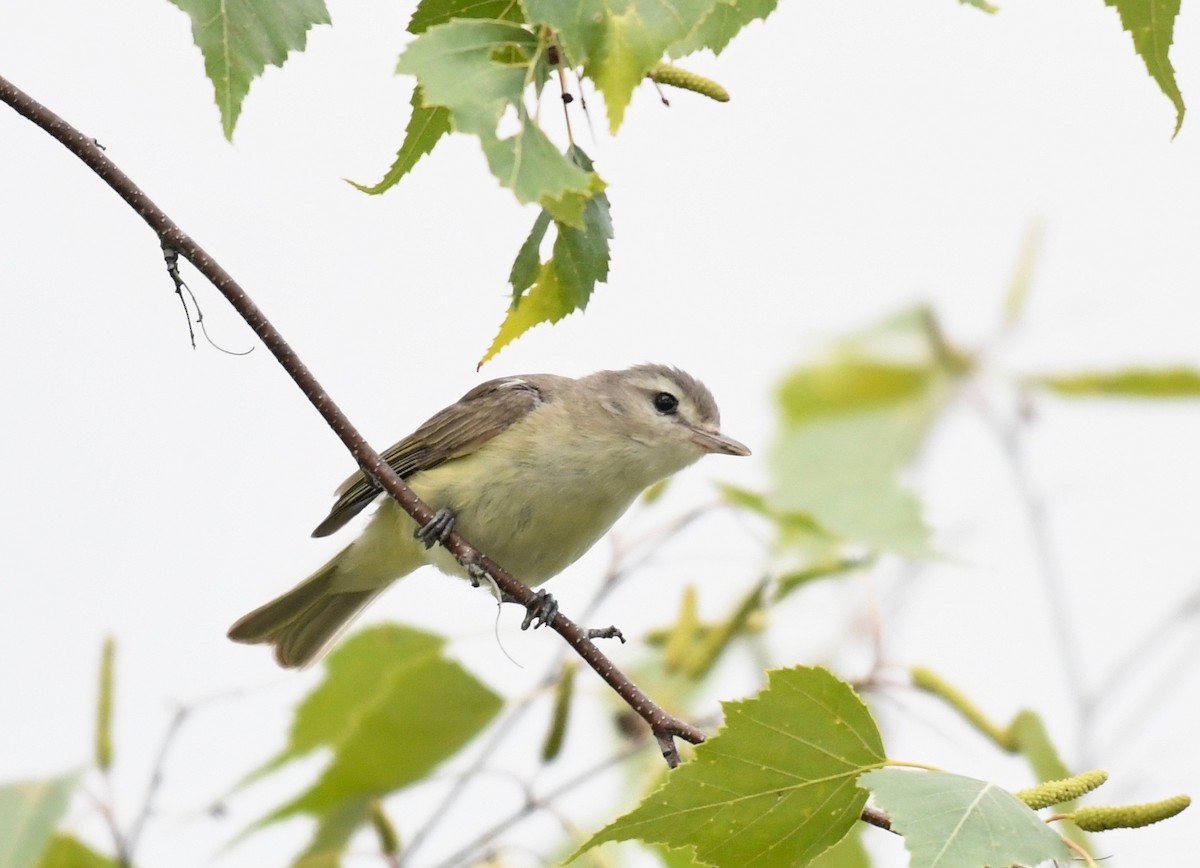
(437, 529)
(475, 571)
(542, 609)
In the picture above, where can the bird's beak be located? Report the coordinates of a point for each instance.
(715, 441)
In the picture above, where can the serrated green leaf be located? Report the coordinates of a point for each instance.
(548, 291)
(1131, 383)
(545, 302)
(1151, 23)
(949, 821)
(391, 708)
(29, 812)
(426, 126)
(67, 851)
(775, 787)
(677, 857)
(478, 69)
(240, 38)
(724, 21)
(430, 13)
(528, 262)
(617, 41)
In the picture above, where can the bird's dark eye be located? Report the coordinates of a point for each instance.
(666, 403)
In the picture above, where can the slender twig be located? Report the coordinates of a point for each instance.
(532, 805)
(1008, 438)
(156, 777)
(665, 727)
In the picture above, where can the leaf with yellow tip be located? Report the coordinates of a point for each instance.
(548, 291)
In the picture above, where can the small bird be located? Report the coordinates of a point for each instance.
(531, 470)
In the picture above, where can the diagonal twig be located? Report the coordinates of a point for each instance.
(665, 726)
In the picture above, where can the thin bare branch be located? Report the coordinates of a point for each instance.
(666, 727)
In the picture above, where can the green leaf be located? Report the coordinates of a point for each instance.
(981, 4)
(391, 708)
(1151, 23)
(528, 262)
(430, 13)
(850, 852)
(425, 129)
(851, 424)
(66, 851)
(29, 812)
(240, 38)
(1131, 383)
(723, 22)
(477, 70)
(949, 821)
(775, 787)
(548, 291)
(334, 830)
(617, 41)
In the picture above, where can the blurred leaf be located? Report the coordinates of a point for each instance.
(790, 581)
(334, 830)
(477, 70)
(426, 126)
(564, 691)
(1131, 383)
(104, 706)
(949, 821)
(548, 291)
(1022, 278)
(240, 38)
(712, 643)
(793, 527)
(850, 384)
(67, 851)
(853, 422)
(617, 41)
(1151, 23)
(723, 22)
(981, 4)
(391, 708)
(683, 636)
(774, 787)
(29, 813)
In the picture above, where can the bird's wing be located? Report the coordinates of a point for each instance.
(458, 430)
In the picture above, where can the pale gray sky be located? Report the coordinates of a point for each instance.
(871, 156)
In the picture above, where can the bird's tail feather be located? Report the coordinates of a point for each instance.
(305, 621)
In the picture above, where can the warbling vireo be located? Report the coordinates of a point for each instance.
(531, 470)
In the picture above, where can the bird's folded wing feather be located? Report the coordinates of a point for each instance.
(458, 430)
